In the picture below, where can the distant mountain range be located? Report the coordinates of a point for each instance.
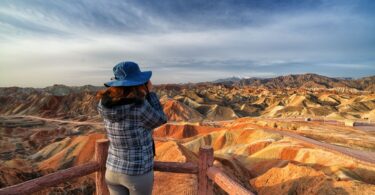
(229, 79)
(302, 81)
(281, 82)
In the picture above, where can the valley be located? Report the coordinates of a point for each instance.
(302, 139)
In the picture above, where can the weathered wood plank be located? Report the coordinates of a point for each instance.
(49, 180)
(206, 159)
(175, 167)
(101, 153)
(226, 183)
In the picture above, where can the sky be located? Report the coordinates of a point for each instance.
(77, 42)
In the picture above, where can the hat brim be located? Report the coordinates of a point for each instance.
(135, 80)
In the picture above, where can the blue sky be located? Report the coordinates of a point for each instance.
(77, 42)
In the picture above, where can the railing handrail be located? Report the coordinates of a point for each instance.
(226, 183)
(51, 179)
(207, 174)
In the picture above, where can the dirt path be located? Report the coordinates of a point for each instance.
(62, 121)
(362, 156)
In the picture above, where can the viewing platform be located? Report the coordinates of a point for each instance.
(207, 174)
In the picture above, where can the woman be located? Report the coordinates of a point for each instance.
(130, 111)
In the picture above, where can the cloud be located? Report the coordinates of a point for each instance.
(78, 42)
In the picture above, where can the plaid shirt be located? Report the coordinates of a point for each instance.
(129, 130)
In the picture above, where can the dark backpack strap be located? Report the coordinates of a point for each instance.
(153, 147)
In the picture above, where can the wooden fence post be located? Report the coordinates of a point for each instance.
(101, 152)
(206, 159)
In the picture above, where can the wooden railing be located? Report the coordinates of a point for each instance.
(207, 174)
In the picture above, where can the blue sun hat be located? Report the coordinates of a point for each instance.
(128, 74)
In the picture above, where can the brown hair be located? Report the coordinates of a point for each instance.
(120, 93)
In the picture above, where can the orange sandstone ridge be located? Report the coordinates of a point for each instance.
(262, 160)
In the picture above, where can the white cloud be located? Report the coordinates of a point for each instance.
(79, 54)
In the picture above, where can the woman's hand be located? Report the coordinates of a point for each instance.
(149, 86)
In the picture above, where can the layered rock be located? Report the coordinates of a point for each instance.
(293, 179)
(288, 96)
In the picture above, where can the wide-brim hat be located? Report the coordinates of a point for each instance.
(128, 74)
